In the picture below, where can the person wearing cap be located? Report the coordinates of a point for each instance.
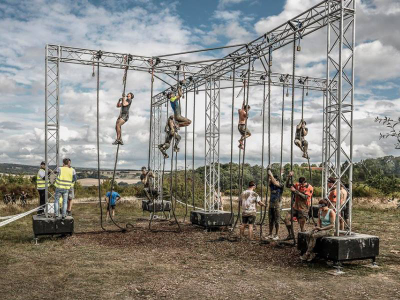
(248, 200)
(146, 178)
(303, 192)
(325, 226)
(275, 200)
(333, 199)
(175, 105)
(64, 181)
(41, 186)
(71, 192)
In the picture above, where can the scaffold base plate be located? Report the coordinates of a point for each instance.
(159, 205)
(355, 246)
(211, 219)
(51, 226)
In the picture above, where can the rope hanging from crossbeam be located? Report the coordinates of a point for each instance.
(98, 56)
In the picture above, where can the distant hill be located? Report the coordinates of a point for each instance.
(6, 168)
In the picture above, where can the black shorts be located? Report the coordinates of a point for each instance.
(243, 130)
(248, 219)
(112, 207)
(346, 211)
(274, 214)
(124, 117)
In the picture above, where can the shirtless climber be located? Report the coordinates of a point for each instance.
(174, 100)
(125, 104)
(301, 132)
(245, 132)
(171, 131)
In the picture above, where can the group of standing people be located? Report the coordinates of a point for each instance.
(64, 193)
(302, 192)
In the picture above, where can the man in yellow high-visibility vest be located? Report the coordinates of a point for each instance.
(71, 192)
(63, 184)
(41, 186)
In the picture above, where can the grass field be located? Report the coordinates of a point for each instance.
(192, 264)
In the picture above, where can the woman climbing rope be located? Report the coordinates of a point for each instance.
(124, 103)
(174, 100)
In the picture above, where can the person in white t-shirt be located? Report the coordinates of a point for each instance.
(248, 201)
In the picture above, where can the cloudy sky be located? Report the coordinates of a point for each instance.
(150, 27)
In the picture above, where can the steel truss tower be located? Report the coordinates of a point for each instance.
(339, 106)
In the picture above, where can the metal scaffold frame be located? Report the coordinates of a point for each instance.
(209, 75)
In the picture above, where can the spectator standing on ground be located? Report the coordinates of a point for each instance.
(248, 201)
(303, 192)
(111, 203)
(275, 200)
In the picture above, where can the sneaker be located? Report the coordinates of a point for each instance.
(311, 257)
(305, 155)
(289, 237)
(69, 213)
(176, 149)
(270, 237)
(120, 142)
(115, 142)
(304, 257)
(166, 155)
(63, 217)
(275, 238)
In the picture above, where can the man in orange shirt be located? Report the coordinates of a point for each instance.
(333, 198)
(303, 192)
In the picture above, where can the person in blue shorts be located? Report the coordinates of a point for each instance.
(111, 202)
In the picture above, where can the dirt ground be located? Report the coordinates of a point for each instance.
(191, 264)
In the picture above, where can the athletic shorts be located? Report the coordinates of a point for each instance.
(180, 119)
(346, 211)
(243, 130)
(124, 117)
(71, 193)
(248, 219)
(112, 207)
(300, 214)
(274, 213)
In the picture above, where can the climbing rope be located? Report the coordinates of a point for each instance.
(292, 137)
(171, 186)
(230, 169)
(128, 225)
(194, 119)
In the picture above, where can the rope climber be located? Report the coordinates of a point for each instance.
(303, 192)
(147, 179)
(243, 116)
(300, 141)
(171, 132)
(174, 99)
(124, 103)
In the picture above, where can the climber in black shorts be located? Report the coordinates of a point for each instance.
(125, 104)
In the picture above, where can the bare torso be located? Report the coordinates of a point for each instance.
(242, 116)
